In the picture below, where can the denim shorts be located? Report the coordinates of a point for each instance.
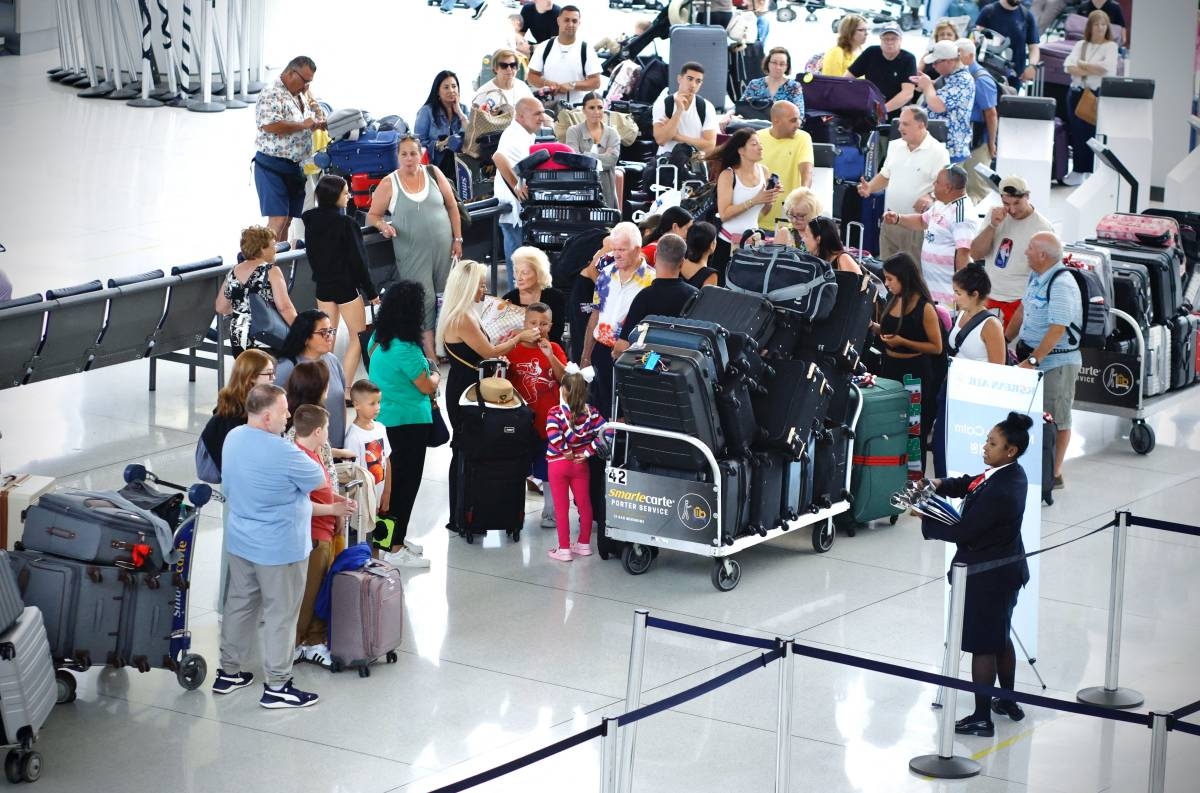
(280, 186)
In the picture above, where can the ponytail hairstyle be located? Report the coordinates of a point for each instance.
(574, 394)
(1015, 430)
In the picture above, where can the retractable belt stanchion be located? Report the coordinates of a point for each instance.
(123, 51)
(73, 33)
(171, 94)
(231, 46)
(64, 59)
(205, 103)
(259, 19)
(244, 30)
(144, 100)
(1111, 695)
(633, 699)
(944, 764)
(783, 724)
(185, 41)
(99, 88)
(609, 753)
(1158, 752)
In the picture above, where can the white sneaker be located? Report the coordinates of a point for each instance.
(301, 649)
(406, 558)
(417, 550)
(318, 654)
(1073, 179)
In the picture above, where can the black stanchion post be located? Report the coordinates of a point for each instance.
(783, 728)
(1158, 752)
(944, 764)
(1111, 695)
(633, 698)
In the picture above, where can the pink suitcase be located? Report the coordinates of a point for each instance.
(1151, 231)
(366, 616)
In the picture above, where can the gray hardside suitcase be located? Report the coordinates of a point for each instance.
(367, 616)
(27, 687)
(77, 526)
(1158, 360)
(80, 604)
(11, 604)
(707, 45)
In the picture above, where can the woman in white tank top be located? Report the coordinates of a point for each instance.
(743, 192)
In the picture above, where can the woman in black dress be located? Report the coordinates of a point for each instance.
(339, 265)
(990, 529)
(701, 243)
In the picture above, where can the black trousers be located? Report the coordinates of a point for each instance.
(601, 391)
(408, 465)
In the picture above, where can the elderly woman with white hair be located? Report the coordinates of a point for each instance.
(531, 271)
(620, 272)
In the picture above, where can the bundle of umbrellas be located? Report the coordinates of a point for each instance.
(920, 497)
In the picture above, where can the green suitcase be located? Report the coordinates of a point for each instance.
(880, 462)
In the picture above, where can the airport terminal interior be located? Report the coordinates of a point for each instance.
(506, 651)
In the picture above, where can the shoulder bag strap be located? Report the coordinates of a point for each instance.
(965, 331)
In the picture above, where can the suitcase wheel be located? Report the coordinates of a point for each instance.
(364, 671)
(65, 684)
(469, 536)
(892, 520)
(31, 767)
(7, 651)
(392, 657)
(335, 665)
(12, 767)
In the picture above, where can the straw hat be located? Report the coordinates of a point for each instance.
(495, 390)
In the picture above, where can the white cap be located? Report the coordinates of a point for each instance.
(942, 51)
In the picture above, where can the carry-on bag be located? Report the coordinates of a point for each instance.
(859, 101)
(11, 604)
(797, 487)
(147, 612)
(94, 528)
(1149, 231)
(1131, 294)
(1183, 350)
(366, 616)
(708, 46)
(879, 465)
(80, 604)
(841, 335)
(794, 406)
(685, 333)
(27, 687)
(767, 475)
(1158, 360)
(793, 281)
(831, 455)
(737, 312)
(376, 154)
(1164, 268)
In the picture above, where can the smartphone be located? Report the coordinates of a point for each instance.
(773, 181)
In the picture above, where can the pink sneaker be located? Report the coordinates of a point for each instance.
(579, 549)
(561, 554)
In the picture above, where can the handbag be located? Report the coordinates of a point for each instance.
(439, 433)
(267, 325)
(206, 467)
(623, 123)
(1085, 109)
(486, 119)
(464, 217)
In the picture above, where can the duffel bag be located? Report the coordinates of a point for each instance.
(792, 280)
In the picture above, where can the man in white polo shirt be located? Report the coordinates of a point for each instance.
(565, 65)
(912, 163)
(685, 116)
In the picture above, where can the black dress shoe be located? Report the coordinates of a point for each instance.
(1006, 707)
(975, 726)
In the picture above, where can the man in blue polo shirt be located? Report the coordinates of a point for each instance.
(985, 120)
(1048, 326)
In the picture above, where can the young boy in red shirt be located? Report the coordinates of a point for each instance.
(535, 370)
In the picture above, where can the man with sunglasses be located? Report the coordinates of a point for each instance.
(505, 84)
(1002, 243)
(286, 115)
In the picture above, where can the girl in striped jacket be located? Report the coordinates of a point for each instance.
(573, 434)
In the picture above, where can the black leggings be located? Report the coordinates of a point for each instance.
(408, 465)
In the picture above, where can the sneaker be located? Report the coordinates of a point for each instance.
(417, 550)
(446, 11)
(1073, 179)
(549, 522)
(560, 554)
(319, 654)
(301, 649)
(533, 485)
(580, 549)
(225, 682)
(287, 696)
(1058, 483)
(406, 558)
(479, 11)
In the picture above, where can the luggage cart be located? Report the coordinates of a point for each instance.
(190, 668)
(1141, 434)
(692, 524)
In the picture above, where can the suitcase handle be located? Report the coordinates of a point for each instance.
(55, 531)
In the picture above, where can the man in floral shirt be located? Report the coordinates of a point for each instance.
(951, 98)
(620, 275)
(286, 115)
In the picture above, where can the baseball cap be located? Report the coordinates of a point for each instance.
(1013, 186)
(942, 51)
(890, 27)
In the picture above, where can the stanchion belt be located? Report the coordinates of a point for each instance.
(709, 633)
(982, 566)
(521, 762)
(974, 688)
(1183, 726)
(1186, 710)
(1164, 525)
(685, 696)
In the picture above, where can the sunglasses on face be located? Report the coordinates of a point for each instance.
(511, 65)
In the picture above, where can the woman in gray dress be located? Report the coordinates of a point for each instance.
(593, 136)
(423, 225)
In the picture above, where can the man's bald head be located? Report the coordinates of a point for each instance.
(785, 119)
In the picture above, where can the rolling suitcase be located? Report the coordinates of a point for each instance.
(1163, 268)
(737, 312)
(795, 405)
(80, 604)
(831, 451)
(879, 466)
(840, 335)
(1183, 350)
(768, 472)
(797, 487)
(1061, 156)
(1158, 360)
(27, 687)
(708, 46)
(11, 604)
(147, 611)
(494, 447)
(1148, 231)
(1131, 294)
(17, 492)
(670, 389)
(793, 281)
(687, 333)
(366, 616)
(75, 525)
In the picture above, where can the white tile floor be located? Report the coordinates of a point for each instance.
(506, 651)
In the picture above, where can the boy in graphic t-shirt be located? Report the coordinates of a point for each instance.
(535, 370)
(312, 430)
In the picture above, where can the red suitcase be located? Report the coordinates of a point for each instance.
(362, 185)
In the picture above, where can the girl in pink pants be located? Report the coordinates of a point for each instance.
(573, 432)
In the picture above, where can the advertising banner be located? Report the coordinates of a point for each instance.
(662, 506)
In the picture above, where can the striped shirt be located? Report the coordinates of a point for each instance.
(948, 227)
(563, 435)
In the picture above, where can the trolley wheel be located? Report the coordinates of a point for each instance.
(726, 574)
(66, 684)
(636, 559)
(909, 22)
(785, 14)
(1141, 437)
(851, 529)
(31, 767)
(392, 657)
(823, 536)
(12, 767)
(192, 671)
(892, 520)
(335, 665)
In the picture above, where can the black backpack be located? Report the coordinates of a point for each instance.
(1097, 320)
(701, 107)
(583, 53)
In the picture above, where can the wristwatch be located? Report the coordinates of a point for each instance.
(1032, 361)
(458, 239)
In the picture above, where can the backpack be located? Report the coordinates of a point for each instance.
(1097, 320)
(583, 53)
(701, 107)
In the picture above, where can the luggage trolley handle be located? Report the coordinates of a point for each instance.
(198, 494)
(1141, 352)
(851, 227)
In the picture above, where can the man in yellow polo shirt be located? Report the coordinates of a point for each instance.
(788, 153)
